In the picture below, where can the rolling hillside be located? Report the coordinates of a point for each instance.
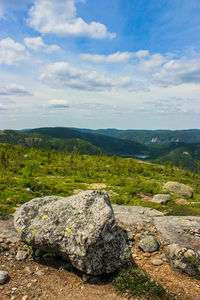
(29, 139)
(151, 136)
(109, 144)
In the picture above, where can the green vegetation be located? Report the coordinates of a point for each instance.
(26, 173)
(35, 140)
(151, 136)
(184, 155)
(137, 282)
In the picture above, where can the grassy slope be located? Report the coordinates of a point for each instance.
(48, 172)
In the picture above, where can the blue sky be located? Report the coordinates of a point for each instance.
(99, 64)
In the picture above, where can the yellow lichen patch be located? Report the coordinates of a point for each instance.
(68, 230)
(44, 217)
(33, 231)
(28, 241)
(20, 230)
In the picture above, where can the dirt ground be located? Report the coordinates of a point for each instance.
(30, 279)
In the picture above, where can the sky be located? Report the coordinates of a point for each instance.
(123, 64)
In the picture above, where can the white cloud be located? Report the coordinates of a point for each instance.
(59, 17)
(14, 89)
(11, 52)
(177, 72)
(117, 57)
(142, 53)
(57, 104)
(62, 74)
(37, 43)
(2, 107)
(151, 64)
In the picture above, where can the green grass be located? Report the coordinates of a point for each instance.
(48, 172)
(137, 282)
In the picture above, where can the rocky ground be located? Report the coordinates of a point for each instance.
(50, 279)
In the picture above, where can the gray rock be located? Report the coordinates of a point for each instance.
(21, 255)
(157, 262)
(81, 228)
(134, 215)
(184, 260)
(149, 244)
(179, 230)
(161, 198)
(3, 277)
(178, 188)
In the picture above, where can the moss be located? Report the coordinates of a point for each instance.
(137, 282)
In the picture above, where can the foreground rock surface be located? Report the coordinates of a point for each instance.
(81, 228)
(178, 188)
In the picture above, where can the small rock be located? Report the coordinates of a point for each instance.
(181, 201)
(14, 289)
(34, 280)
(25, 297)
(161, 198)
(134, 255)
(162, 256)
(157, 262)
(39, 273)
(149, 244)
(178, 188)
(3, 277)
(29, 270)
(147, 254)
(21, 255)
(4, 247)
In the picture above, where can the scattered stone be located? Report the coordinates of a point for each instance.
(157, 262)
(25, 297)
(21, 255)
(3, 277)
(14, 289)
(178, 188)
(81, 227)
(162, 256)
(29, 190)
(149, 244)
(161, 198)
(181, 201)
(134, 255)
(39, 273)
(4, 247)
(146, 254)
(29, 270)
(184, 260)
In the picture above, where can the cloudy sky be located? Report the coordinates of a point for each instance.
(100, 64)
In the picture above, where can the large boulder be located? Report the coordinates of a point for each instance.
(81, 228)
(178, 188)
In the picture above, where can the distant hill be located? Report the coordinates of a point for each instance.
(30, 139)
(150, 136)
(109, 144)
